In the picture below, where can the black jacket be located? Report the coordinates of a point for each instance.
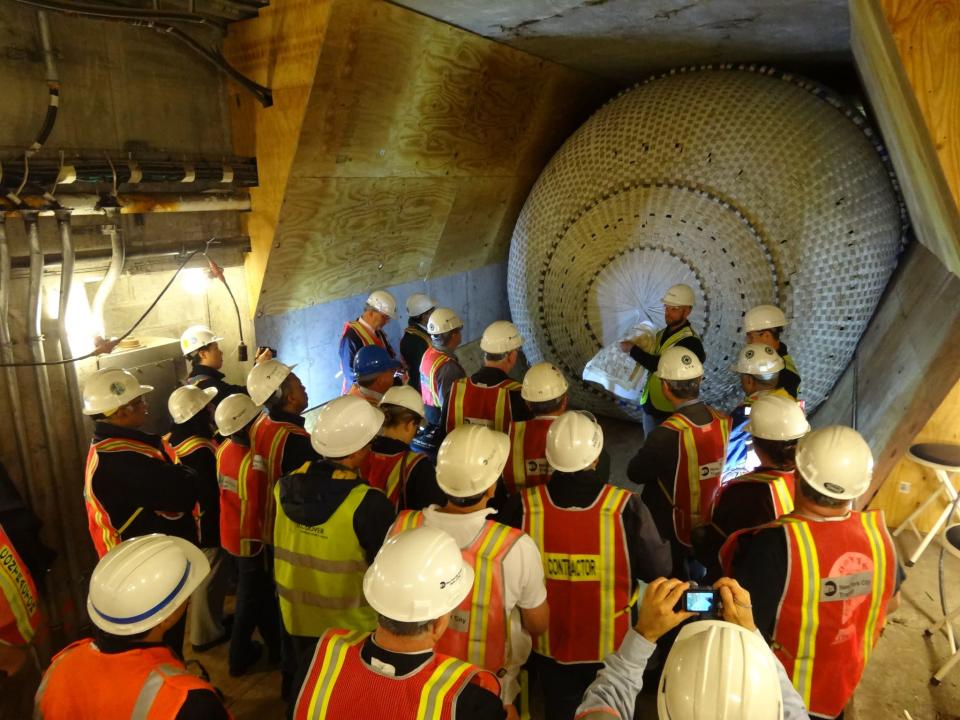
(205, 377)
(789, 380)
(412, 348)
(203, 461)
(421, 489)
(297, 449)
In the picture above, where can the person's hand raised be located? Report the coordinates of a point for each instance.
(657, 615)
(736, 605)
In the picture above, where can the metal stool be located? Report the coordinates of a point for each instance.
(951, 544)
(944, 458)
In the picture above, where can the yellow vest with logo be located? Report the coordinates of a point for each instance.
(652, 389)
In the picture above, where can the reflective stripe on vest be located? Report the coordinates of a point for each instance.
(390, 473)
(652, 390)
(319, 570)
(19, 601)
(270, 443)
(192, 444)
(527, 465)
(433, 359)
(475, 404)
(366, 338)
(241, 504)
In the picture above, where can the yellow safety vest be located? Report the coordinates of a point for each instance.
(652, 389)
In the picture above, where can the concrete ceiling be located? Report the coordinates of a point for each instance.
(627, 39)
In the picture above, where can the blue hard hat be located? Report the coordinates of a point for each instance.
(373, 359)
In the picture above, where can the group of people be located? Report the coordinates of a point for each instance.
(439, 542)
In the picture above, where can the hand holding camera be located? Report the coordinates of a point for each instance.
(668, 603)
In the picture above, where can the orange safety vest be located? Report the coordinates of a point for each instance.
(390, 472)
(479, 630)
(702, 450)
(586, 564)
(367, 338)
(19, 601)
(269, 440)
(527, 465)
(433, 360)
(477, 404)
(104, 530)
(780, 484)
(840, 576)
(242, 499)
(339, 683)
(149, 683)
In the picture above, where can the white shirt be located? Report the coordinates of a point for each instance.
(523, 583)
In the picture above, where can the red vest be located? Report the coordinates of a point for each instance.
(478, 404)
(242, 499)
(701, 452)
(104, 530)
(840, 576)
(19, 601)
(779, 482)
(367, 337)
(433, 359)
(527, 465)
(340, 684)
(82, 682)
(478, 627)
(586, 564)
(269, 439)
(390, 473)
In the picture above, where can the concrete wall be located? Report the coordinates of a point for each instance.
(310, 336)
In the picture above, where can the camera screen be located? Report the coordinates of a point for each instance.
(700, 601)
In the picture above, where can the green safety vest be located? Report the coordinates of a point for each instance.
(319, 570)
(653, 389)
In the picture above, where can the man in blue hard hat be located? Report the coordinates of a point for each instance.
(374, 369)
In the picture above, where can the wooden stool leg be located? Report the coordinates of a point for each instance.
(941, 673)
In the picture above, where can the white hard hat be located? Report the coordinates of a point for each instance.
(443, 320)
(384, 302)
(678, 296)
(406, 397)
(835, 461)
(763, 317)
(758, 359)
(719, 671)
(418, 575)
(196, 337)
(543, 382)
(141, 582)
(264, 379)
(679, 363)
(345, 425)
(774, 417)
(110, 389)
(574, 441)
(187, 401)
(234, 413)
(501, 336)
(419, 303)
(471, 459)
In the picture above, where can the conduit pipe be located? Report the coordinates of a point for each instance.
(137, 203)
(110, 279)
(66, 288)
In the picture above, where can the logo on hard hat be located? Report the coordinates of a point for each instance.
(452, 581)
(834, 488)
(748, 354)
(686, 360)
(118, 389)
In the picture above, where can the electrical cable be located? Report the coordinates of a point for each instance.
(217, 272)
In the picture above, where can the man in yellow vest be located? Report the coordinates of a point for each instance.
(329, 526)
(677, 306)
(764, 324)
(416, 339)
(491, 628)
(380, 308)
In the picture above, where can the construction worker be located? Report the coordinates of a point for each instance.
(138, 591)
(491, 628)
(417, 579)
(380, 308)
(677, 306)
(406, 476)
(439, 368)
(192, 439)
(759, 368)
(416, 340)
(715, 669)
(824, 577)
(764, 324)
(596, 541)
(759, 497)
(544, 391)
(490, 396)
(374, 370)
(19, 608)
(680, 462)
(202, 348)
(329, 527)
(243, 499)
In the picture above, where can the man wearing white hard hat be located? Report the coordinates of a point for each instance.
(824, 577)
(406, 476)
(396, 673)
(330, 525)
(491, 628)
(544, 391)
(380, 308)
(416, 339)
(598, 540)
(138, 591)
(776, 424)
(764, 324)
(201, 347)
(439, 368)
(490, 396)
(680, 462)
(677, 305)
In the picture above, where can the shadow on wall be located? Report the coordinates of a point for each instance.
(310, 336)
